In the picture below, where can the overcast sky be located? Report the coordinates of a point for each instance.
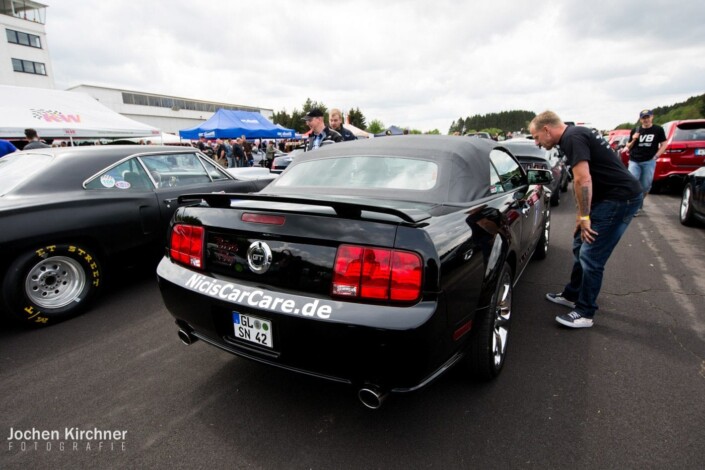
(418, 64)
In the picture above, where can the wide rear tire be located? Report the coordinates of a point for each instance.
(51, 284)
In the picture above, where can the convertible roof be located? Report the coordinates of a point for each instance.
(464, 169)
(65, 114)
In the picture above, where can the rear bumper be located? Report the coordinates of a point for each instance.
(666, 169)
(395, 348)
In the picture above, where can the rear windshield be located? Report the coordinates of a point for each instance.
(19, 167)
(371, 172)
(689, 131)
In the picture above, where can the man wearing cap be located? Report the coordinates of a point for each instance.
(646, 143)
(319, 131)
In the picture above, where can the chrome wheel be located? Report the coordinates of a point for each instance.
(502, 315)
(55, 282)
(685, 204)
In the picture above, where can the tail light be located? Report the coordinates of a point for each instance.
(186, 245)
(376, 274)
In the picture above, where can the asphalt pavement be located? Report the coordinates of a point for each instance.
(627, 393)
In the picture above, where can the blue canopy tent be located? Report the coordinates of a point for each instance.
(227, 124)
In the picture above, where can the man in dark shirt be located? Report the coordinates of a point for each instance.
(607, 197)
(646, 144)
(335, 121)
(319, 131)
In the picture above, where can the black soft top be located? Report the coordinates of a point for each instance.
(463, 166)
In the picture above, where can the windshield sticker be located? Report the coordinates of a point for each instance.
(257, 298)
(122, 185)
(107, 181)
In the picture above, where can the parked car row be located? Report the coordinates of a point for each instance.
(397, 257)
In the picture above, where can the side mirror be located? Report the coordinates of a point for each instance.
(539, 176)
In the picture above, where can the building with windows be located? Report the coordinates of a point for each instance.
(24, 53)
(25, 62)
(168, 113)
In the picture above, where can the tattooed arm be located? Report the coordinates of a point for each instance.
(582, 186)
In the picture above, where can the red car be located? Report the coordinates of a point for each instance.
(685, 152)
(618, 140)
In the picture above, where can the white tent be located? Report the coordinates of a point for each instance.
(359, 133)
(63, 114)
(161, 139)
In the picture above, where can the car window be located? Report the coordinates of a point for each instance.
(690, 131)
(363, 172)
(215, 173)
(176, 170)
(495, 182)
(508, 169)
(129, 175)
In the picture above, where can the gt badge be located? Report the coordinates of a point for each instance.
(259, 257)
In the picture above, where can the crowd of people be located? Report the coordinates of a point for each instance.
(241, 152)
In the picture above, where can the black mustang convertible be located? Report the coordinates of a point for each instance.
(378, 263)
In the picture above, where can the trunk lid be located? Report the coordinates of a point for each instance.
(290, 244)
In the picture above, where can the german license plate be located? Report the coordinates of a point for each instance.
(253, 329)
(700, 152)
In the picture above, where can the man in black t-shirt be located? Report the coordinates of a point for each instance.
(607, 197)
(646, 144)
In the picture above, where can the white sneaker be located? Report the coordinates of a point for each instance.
(574, 320)
(559, 299)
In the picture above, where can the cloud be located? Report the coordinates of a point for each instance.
(420, 64)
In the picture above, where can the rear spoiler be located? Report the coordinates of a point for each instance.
(343, 209)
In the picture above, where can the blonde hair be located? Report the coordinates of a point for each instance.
(335, 111)
(546, 118)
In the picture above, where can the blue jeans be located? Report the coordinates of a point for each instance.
(609, 219)
(644, 172)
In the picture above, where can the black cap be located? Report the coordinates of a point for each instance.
(314, 112)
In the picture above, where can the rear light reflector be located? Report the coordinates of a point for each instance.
(376, 274)
(263, 218)
(186, 245)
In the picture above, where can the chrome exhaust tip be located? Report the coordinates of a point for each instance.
(187, 338)
(372, 397)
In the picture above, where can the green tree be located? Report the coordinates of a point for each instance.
(434, 132)
(357, 119)
(375, 127)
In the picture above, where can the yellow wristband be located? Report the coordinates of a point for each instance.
(584, 217)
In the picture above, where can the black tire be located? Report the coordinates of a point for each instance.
(686, 210)
(564, 186)
(51, 284)
(656, 187)
(488, 338)
(556, 197)
(542, 247)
